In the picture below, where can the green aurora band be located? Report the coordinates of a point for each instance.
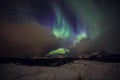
(91, 15)
(62, 29)
(59, 51)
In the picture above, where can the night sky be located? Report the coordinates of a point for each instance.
(86, 25)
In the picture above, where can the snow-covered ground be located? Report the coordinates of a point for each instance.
(77, 70)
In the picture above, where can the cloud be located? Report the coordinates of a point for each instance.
(108, 40)
(27, 39)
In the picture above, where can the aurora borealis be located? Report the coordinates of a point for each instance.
(76, 25)
(85, 23)
(75, 20)
(62, 29)
(59, 51)
(70, 21)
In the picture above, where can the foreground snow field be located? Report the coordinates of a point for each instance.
(76, 70)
